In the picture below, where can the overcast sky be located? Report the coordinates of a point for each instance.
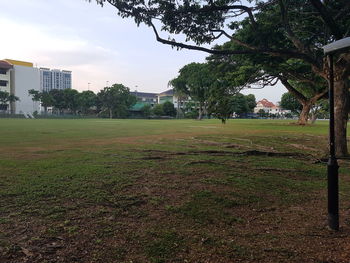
(95, 44)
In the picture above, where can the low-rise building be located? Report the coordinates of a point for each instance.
(146, 97)
(24, 77)
(167, 95)
(269, 108)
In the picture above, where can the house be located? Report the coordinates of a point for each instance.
(269, 108)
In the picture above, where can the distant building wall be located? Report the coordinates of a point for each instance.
(23, 79)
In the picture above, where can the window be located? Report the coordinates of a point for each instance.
(3, 71)
(3, 83)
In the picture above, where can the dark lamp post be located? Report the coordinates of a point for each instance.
(332, 165)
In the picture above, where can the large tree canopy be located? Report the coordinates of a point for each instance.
(280, 30)
(195, 80)
(116, 100)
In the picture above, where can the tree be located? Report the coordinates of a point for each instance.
(180, 93)
(289, 102)
(239, 104)
(158, 110)
(261, 70)
(222, 104)
(46, 100)
(71, 100)
(146, 110)
(36, 95)
(251, 102)
(116, 100)
(7, 98)
(169, 109)
(221, 107)
(278, 30)
(86, 100)
(195, 80)
(320, 110)
(58, 100)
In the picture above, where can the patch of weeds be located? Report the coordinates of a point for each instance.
(164, 247)
(156, 200)
(56, 212)
(119, 253)
(237, 251)
(4, 243)
(72, 229)
(53, 230)
(107, 231)
(4, 220)
(268, 186)
(207, 207)
(98, 241)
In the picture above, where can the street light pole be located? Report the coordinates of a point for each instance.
(332, 165)
(339, 46)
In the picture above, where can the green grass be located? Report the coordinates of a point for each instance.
(159, 190)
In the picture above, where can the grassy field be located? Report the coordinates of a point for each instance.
(141, 191)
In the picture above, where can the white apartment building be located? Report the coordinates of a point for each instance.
(55, 79)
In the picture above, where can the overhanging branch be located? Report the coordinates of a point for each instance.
(251, 50)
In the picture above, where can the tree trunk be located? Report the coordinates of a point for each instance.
(178, 114)
(110, 114)
(304, 114)
(341, 110)
(200, 112)
(313, 117)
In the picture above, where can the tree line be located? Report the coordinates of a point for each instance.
(114, 101)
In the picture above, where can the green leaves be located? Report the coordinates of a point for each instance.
(117, 100)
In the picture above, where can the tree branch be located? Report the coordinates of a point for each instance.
(252, 50)
(327, 18)
(290, 34)
(292, 90)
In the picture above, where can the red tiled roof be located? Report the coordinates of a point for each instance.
(266, 103)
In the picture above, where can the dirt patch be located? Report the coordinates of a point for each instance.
(229, 153)
(303, 147)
